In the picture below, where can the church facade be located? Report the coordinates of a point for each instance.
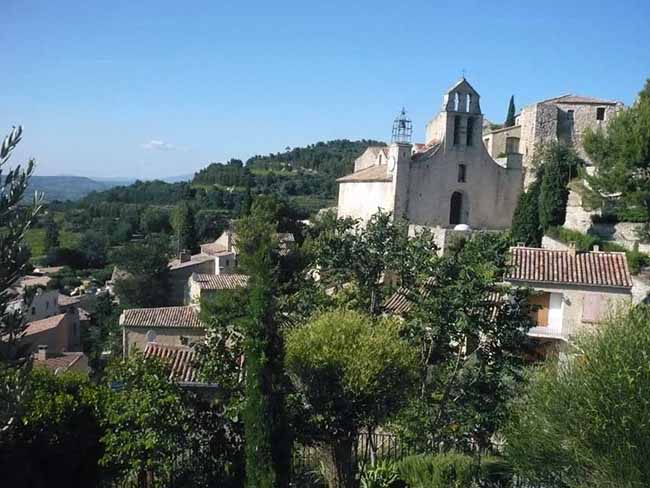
(449, 180)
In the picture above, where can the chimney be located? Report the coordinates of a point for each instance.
(41, 355)
(572, 249)
(185, 256)
(596, 248)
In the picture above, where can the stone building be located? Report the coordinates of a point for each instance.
(449, 180)
(564, 118)
(201, 286)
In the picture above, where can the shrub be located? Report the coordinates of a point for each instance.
(585, 421)
(382, 475)
(448, 470)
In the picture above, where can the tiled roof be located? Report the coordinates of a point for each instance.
(180, 359)
(44, 324)
(194, 261)
(220, 281)
(186, 316)
(59, 362)
(399, 302)
(607, 269)
(213, 248)
(373, 173)
(577, 99)
(65, 300)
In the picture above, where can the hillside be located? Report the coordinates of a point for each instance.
(66, 187)
(334, 158)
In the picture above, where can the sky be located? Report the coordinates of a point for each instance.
(151, 88)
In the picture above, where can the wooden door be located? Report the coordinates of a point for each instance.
(541, 303)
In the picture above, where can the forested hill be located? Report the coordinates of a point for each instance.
(334, 158)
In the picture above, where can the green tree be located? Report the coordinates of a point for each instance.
(51, 238)
(155, 220)
(184, 227)
(560, 164)
(510, 118)
(526, 227)
(621, 156)
(144, 419)
(15, 220)
(472, 343)
(267, 445)
(104, 332)
(351, 372)
(146, 273)
(370, 256)
(57, 438)
(93, 245)
(584, 420)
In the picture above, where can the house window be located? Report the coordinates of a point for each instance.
(470, 131)
(600, 113)
(462, 173)
(540, 304)
(456, 130)
(227, 262)
(594, 308)
(569, 116)
(512, 145)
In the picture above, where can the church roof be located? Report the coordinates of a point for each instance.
(462, 82)
(578, 100)
(371, 174)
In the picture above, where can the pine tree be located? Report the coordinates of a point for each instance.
(15, 220)
(510, 119)
(267, 446)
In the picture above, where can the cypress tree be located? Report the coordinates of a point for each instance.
(526, 227)
(553, 196)
(510, 118)
(51, 239)
(183, 222)
(267, 445)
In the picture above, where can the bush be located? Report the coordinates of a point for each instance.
(585, 421)
(448, 470)
(382, 475)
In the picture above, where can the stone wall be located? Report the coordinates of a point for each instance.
(361, 200)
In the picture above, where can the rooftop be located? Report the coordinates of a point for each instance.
(186, 317)
(194, 261)
(44, 324)
(60, 361)
(180, 359)
(577, 99)
(536, 265)
(373, 173)
(220, 281)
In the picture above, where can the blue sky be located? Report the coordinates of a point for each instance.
(154, 88)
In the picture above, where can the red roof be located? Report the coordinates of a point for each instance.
(59, 362)
(180, 358)
(535, 265)
(44, 324)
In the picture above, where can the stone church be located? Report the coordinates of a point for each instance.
(448, 181)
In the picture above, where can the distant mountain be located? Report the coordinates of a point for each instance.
(66, 187)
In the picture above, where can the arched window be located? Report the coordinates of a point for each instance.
(470, 131)
(456, 209)
(468, 101)
(456, 102)
(456, 130)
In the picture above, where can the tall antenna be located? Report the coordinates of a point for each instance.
(402, 128)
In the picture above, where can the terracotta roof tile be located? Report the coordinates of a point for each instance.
(220, 281)
(186, 316)
(606, 269)
(373, 173)
(180, 359)
(44, 324)
(194, 261)
(59, 362)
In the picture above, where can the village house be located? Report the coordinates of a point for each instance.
(60, 333)
(32, 296)
(573, 291)
(202, 286)
(174, 326)
(449, 181)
